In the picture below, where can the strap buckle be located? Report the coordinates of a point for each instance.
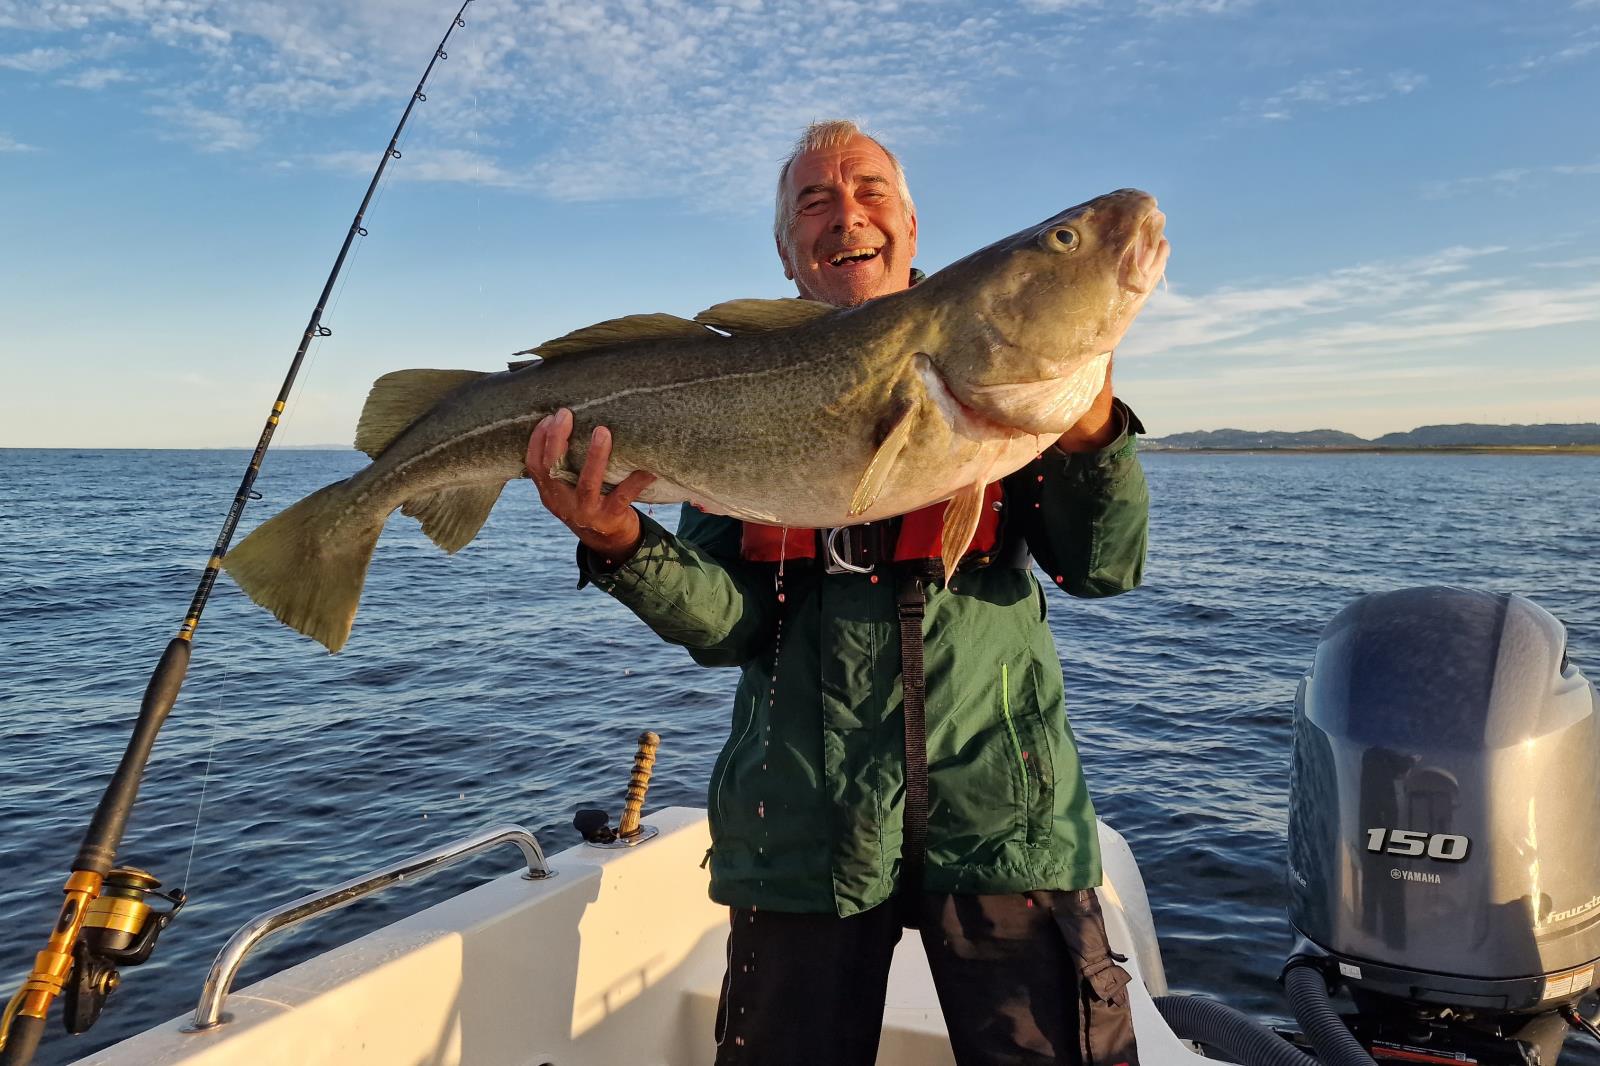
(852, 549)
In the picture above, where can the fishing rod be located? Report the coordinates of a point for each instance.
(107, 920)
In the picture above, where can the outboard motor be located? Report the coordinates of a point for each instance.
(1444, 826)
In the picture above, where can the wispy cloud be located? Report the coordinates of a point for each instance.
(1584, 262)
(97, 78)
(1176, 319)
(1364, 314)
(654, 99)
(1507, 181)
(209, 131)
(1186, 8)
(9, 144)
(1587, 44)
(1337, 88)
(429, 164)
(36, 60)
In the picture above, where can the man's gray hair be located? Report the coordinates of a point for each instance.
(829, 134)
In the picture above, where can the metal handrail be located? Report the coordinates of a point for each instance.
(208, 1014)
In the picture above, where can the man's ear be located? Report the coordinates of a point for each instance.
(783, 257)
(913, 231)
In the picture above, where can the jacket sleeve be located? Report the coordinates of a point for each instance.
(692, 589)
(1086, 514)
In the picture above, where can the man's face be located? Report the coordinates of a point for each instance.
(850, 238)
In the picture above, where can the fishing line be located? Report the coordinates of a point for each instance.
(205, 780)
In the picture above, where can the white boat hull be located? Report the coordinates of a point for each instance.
(617, 959)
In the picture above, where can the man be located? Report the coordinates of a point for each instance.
(816, 846)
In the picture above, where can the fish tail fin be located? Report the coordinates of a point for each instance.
(452, 517)
(308, 563)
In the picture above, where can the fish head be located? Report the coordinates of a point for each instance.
(1027, 325)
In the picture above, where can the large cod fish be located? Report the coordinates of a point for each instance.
(785, 412)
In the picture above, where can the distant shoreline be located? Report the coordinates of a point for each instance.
(1147, 449)
(1462, 449)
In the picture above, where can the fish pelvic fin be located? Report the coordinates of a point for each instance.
(307, 565)
(877, 473)
(961, 516)
(631, 329)
(397, 400)
(759, 316)
(452, 517)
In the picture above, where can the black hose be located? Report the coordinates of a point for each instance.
(1308, 994)
(1232, 1032)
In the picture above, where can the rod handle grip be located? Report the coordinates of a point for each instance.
(22, 1041)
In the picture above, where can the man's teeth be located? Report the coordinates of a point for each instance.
(857, 254)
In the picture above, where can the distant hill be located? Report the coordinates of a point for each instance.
(1254, 438)
(1464, 435)
(1469, 435)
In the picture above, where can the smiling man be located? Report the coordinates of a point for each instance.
(846, 227)
(899, 753)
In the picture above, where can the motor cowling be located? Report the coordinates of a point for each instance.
(1444, 827)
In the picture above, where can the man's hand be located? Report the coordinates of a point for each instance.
(1097, 427)
(606, 523)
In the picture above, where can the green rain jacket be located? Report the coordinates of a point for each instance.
(806, 798)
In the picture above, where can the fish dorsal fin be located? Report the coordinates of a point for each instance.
(628, 330)
(759, 316)
(518, 364)
(399, 399)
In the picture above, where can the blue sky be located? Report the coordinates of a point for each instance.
(1382, 214)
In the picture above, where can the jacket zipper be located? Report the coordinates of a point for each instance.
(1011, 729)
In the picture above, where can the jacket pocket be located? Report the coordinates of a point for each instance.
(1030, 752)
(742, 730)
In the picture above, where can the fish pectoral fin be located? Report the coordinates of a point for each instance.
(961, 516)
(631, 329)
(760, 316)
(452, 517)
(877, 474)
(399, 399)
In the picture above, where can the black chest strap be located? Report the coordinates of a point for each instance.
(910, 598)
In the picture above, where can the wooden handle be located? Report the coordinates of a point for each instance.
(638, 784)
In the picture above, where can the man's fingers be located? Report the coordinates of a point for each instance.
(628, 491)
(558, 433)
(534, 462)
(592, 478)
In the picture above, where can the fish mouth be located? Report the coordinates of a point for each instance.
(1145, 261)
(852, 255)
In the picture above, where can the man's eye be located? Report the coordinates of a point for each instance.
(811, 207)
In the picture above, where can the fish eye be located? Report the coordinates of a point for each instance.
(1061, 239)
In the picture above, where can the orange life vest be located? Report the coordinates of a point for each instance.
(921, 536)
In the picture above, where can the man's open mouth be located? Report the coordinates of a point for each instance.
(853, 255)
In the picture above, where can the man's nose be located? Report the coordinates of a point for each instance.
(848, 215)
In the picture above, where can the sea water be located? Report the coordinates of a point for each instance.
(485, 688)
